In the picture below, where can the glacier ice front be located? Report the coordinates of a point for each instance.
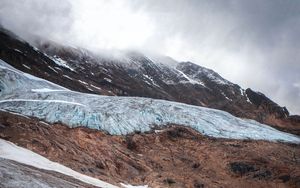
(39, 98)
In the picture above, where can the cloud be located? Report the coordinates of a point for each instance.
(29, 18)
(252, 43)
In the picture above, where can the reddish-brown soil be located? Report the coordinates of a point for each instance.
(173, 157)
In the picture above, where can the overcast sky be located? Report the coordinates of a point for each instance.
(254, 43)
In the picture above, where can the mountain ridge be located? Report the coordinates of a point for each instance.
(138, 75)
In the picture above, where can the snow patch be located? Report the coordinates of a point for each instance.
(190, 80)
(42, 122)
(52, 69)
(89, 88)
(108, 80)
(133, 186)
(17, 50)
(242, 92)
(151, 79)
(226, 96)
(26, 66)
(96, 87)
(82, 82)
(61, 62)
(248, 100)
(158, 131)
(66, 76)
(57, 68)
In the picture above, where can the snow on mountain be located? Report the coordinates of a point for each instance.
(201, 74)
(61, 62)
(32, 96)
(13, 152)
(190, 80)
(169, 69)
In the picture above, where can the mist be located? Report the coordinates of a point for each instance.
(254, 43)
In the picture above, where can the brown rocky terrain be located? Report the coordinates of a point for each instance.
(173, 157)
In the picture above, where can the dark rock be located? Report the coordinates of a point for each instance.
(180, 132)
(198, 184)
(169, 181)
(285, 178)
(263, 175)
(100, 165)
(241, 168)
(196, 165)
(131, 145)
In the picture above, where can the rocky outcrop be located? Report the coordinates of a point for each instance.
(271, 113)
(172, 157)
(270, 107)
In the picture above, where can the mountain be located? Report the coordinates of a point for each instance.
(130, 73)
(31, 96)
(129, 118)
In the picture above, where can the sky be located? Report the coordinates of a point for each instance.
(253, 43)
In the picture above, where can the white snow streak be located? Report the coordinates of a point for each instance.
(61, 62)
(133, 186)
(42, 90)
(192, 81)
(26, 66)
(41, 100)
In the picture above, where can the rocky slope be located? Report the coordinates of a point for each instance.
(186, 158)
(134, 74)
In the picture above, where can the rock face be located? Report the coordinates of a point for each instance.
(260, 100)
(135, 74)
(172, 157)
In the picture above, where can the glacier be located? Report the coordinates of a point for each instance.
(31, 96)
